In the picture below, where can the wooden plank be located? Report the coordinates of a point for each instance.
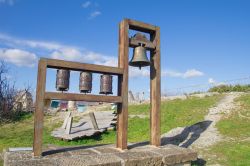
(69, 125)
(76, 66)
(155, 91)
(122, 108)
(93, 120)
(38, 118)
(140, 26)
(82, 97)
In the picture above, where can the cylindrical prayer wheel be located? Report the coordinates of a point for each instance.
(106, 84)
(85, 83)
(62, 80)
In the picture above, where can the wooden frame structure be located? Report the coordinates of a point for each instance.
(122, 94)
(155, 79)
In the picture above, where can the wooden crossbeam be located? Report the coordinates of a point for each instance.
(82, 97)
(141, 26)
(76, 66)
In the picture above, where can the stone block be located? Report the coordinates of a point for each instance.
(76, 161)
(175, 155)
(33, 162)
(107, 150)
(83, 152)
(107, 160)
(140, 158)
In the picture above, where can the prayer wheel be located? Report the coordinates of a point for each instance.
(85, 84)
(106, 84)
(62, 80)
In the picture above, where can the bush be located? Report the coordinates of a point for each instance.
(230, 88)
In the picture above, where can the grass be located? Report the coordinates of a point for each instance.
(235, 150)
(173, 114)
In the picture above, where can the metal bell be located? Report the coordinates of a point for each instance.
(62, 80)
(106, 84)
(140, 58)
(85, 83)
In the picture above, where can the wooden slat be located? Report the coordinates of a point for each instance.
(93, 120)
(38, 118)
(155, 91)
(140, 26)
(82, 97)
(69, 125)
(122, 108)
(76, 66)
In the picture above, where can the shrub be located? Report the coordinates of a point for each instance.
(230, 88)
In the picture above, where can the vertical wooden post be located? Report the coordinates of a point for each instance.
(38, 118)
(155, 90)
(122, 108)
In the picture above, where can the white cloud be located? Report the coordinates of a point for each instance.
(170, 73)
(86, 4)
(12, 41)
(192, 73)
(211, 81)
(94, 14)
(216, 83)
(18, 57)
(136, 72)
(187, 74)
(59, 51)
(72, 53)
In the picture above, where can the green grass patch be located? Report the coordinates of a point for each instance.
(237, 124)
(237, 128)
(233, 153)
(173, 114)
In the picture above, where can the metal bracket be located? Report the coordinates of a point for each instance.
(138, 39)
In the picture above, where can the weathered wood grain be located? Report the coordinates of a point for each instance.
(93, 120)
(122, 108)
(82, 97)
(38, 117)
(155, 90)
(141, 26)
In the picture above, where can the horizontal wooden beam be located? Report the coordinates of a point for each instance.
(82, 97)
(76, 66)
(140, 26)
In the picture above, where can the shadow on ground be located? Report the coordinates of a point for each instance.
(185, 137)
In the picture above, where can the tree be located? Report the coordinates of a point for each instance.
(7, 94)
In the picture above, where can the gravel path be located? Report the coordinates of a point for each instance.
(205, 133)
(211, 135)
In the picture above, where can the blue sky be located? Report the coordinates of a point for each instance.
(202, 41)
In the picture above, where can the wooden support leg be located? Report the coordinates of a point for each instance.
(122, 108)
(155, 91)
(38, 118)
